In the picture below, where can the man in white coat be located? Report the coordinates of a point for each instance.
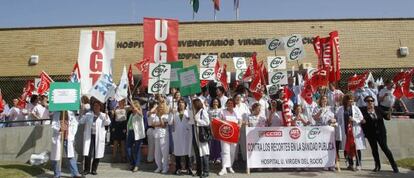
(94, 137)
(68, 128)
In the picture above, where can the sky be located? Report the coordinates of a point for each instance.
(43, 13)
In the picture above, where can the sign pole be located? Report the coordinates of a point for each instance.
(62, 136)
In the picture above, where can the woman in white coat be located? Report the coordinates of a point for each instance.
(68, 128)
(181, 136)
(94, 136)
(200, 149)
(135, 134)
(158, 118)
(349, 115)
(228, 150)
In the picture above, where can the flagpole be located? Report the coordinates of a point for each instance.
(237, 13)
(193, 15)
(215, 14)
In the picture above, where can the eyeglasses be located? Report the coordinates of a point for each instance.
(369, 101)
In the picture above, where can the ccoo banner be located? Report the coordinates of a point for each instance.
(290, 147)
(276, 62)
(161, 40)
(96, 52)
(294, 47)
(278, 78)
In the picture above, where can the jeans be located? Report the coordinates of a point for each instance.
(133, 149)
(72, 164)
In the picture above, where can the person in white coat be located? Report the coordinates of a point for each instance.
(242, 110)
(323, 114)
(275, 119)
(135, 134)
(349, 115)
(94, 137)
(179, 119)
(68, 128)
(199, 149)
(158, 118)
(255, 119)
(228, 150)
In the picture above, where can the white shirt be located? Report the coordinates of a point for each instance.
(360, 94)
(389, 99)
(263, 105)
(227, 116)
(256, 121)
(242, 110)
(223, 101)
(276, 119)
(334, 97)
(159, 132)
(41, 112)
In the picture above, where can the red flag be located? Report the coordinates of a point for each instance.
(160, 40)
(143, 66)
(265, 75)
(221, 75)
(27, 91)
(75, 74)
(130, 77)
(44, 84)
(357, 81)
(250, 72)
(335, 75)
(204, 83)
(350, 146)
(319, 78)
(307, 91)
(225, 131)
(286, 114)
(257, 87)
(216, 4)
(1, 102)
(407, 82)
(318, 50)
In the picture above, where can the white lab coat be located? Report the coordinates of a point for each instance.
(199, 121)
(181, 133)
(102, 121)
(356, 128)
(138, 125)
(56, 136)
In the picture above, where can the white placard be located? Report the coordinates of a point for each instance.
(274, 44)
(276, 62)
(160, 71)
(103, 88)
(272, 89)
(187, 78)
(208, 61)
(296, 53)
(290, 147)
(158, 86)
(279, 77)
(228, 77)
(294, 47)
(64, 96)
(239, 75)
(207, 74)
(239, 63)
(174, 74)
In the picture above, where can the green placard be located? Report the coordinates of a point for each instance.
(175, 66)
(64, 96)
(189, 81)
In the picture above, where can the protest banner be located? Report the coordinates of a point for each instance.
(189, 81)
(278, 78)
(208, 61)
(274, 44)
(64, 96)
(96, 52)
(240, 74)
(239, 63)
(175, 66)
(276, 63)
(290, 147)
(161, 40)
(44, 83)
(294, 48)
(207, 74)
(103, 88)
(161, 71)
(158, 86)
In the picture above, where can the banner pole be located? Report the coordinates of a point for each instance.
(62, 135)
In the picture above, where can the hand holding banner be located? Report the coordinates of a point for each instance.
(225, 131)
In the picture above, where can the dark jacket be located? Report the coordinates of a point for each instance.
(374, 127)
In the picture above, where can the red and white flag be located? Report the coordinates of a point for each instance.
(225, 130)
(357, 81)
(257, 87)
(44, 84)
(75, 74)
(286, 113)
(221, 75)
(307, 90)
(324, 49)
(143, 66)
(130, 77)
(407, 82)
(350, 147)
(335, 74)
(251, 69)
(265, 79)
(319, 78)
(160, 40)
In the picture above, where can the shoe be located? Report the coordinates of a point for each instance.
(376, 169)
(205, 174)
(78, 176)
(135, 169)
(231, 170)
(158, 170)
(358, 168)
(190, 172)
(164, 172)
(178, 172)
(222, 172)
(350, 167)
(94, 173)
(395, 170)
(86, 173)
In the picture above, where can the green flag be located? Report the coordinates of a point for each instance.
(196, 5)
(175, 66)
(189, 81)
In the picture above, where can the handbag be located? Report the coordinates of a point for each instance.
(204, 133)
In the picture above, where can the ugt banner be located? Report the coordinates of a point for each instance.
(96, 52)
(290, 147)
(160, 40)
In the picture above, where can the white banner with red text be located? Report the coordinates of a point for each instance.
(290, 147)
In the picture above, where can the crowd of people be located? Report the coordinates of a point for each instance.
(170, 125)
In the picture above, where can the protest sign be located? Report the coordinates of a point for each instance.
(278, 78)
(276, 63)
(64, 96)
(189, 81)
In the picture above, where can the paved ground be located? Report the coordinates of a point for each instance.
(114, 170)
